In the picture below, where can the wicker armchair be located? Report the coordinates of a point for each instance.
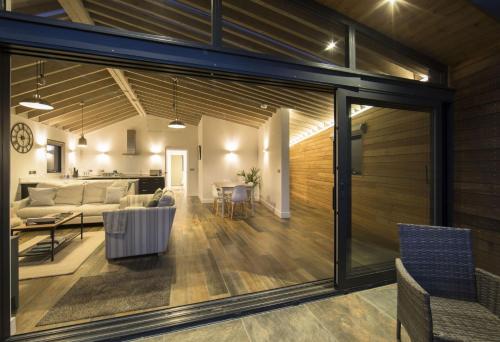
(441, 296)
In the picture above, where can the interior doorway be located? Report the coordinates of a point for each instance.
(176, 166)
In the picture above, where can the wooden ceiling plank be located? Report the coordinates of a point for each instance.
(90, 92)
(77, 12)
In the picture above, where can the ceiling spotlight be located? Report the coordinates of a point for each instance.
(392, 2)
(263, 106)
(424, 78)
(331, 45)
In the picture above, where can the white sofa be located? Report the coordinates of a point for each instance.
(135, 229)
(86, 196)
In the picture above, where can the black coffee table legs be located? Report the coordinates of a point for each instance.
(52, 237)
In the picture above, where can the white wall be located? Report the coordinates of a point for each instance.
(227, 148)
(274, 163)
(152, 135)
(36, 160)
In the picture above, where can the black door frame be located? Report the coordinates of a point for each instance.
(41, 37)
(440, 201)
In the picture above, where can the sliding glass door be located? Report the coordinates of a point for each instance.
(387, 148)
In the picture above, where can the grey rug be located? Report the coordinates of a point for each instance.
(111, 293)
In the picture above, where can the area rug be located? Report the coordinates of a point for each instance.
(66, 261)
(110, 294)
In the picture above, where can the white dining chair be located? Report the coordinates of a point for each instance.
(218, 199)
(239, 198)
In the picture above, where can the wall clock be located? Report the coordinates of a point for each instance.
(21, 137)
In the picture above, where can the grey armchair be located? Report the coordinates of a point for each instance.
(441, 296)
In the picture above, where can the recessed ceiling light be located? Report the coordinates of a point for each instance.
(392, 2)
(424, 78)
(263, 106)
(331, 45)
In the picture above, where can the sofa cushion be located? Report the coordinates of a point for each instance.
(69, 194)
(457, 320)
(95, 191)
(28, 212)
(114, 194)
(42, 196)
(49, 184)
(96, 209)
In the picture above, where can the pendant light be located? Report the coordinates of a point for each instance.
(36, 102)
(82, 142)
(177, 123)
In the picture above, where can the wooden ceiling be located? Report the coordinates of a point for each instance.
(112, 95)
(450, 31)
(107, 101)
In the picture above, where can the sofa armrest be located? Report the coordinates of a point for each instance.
(414, 310)
(18, 205)
(488, 290)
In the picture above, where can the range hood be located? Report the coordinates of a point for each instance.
(131, 143)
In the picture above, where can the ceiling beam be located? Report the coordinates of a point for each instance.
(78, 13)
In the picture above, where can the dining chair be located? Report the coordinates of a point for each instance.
(239, 198)
(218, 199)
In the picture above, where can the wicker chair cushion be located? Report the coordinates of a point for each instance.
(456, 320)
(439, 259)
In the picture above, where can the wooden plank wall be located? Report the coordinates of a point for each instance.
(393, 187)
(311, 170)
(477, 156)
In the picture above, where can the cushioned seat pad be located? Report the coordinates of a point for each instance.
(28, 212)
(456, 320)
(96, 209)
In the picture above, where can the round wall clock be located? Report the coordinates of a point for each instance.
(21, 137)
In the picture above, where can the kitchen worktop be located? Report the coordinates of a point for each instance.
(32, 180)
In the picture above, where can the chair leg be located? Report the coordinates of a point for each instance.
(232, 210)
(216, 203)
(398, 330)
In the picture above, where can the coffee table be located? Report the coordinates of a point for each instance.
(51, 227)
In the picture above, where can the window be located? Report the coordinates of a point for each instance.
(372, 56)
(283, 29)
(55, 153)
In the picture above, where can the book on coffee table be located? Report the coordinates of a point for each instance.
(48, 219)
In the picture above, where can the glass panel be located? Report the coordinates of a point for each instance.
(183, 20)
(276, 234)
(374, 57)
(394, 183)
(282, 28)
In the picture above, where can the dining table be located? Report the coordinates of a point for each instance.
(227, 187)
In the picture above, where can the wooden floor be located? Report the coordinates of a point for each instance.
(210, 258)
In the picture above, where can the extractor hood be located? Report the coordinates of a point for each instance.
(131, 143)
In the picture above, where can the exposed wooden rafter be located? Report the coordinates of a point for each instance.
(78, 13)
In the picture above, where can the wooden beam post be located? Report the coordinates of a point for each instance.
(79, 14)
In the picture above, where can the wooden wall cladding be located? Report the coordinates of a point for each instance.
(477, 156)
(394, 187)
(311, 170)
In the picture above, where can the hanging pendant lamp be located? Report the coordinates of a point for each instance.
(82, 142)
(177, 123)
(36, 102)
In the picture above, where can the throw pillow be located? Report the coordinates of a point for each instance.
(152, 204)
(167, 200)
(157, 195)
(113, 195)
(121, 183)
(69, 194)
(41, 197)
